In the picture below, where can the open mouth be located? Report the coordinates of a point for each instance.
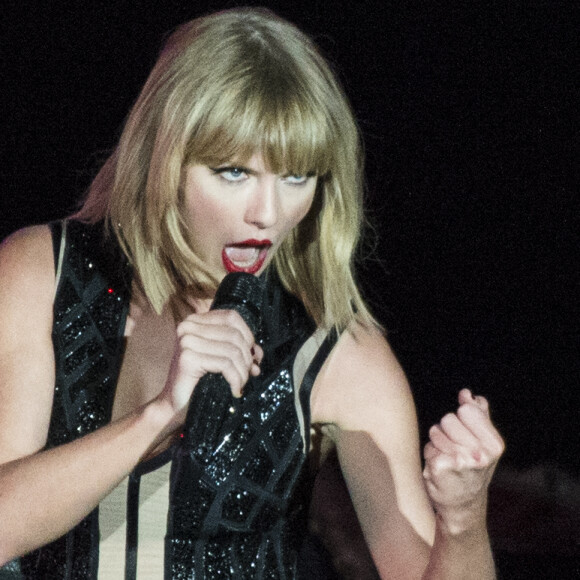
(248, 256)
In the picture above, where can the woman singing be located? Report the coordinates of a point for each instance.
(241, 155)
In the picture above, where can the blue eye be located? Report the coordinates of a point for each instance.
(231, 174)
(294, 179)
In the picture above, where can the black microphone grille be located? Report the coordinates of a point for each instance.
(242, 292)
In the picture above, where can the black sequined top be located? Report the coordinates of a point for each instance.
(237, 508)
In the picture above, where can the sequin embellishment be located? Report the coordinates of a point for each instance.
(87, 337)
(249, 520)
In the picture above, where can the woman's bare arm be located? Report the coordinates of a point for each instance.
(364, 402)
(42, 495)
(45, 493)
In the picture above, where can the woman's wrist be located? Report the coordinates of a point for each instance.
(462, 521)
(160, 420)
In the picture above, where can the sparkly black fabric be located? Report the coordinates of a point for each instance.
(237, 508)
(90, 308)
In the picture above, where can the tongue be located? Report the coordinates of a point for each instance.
(242, 255)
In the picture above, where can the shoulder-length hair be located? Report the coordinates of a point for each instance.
(225, 87)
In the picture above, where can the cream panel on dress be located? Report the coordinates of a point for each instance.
(153, 509)
(154, 502)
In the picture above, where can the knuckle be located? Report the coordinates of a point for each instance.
(461, 462)
(498, 446)
(187, 362)
(434, 431)
(186, 343)
(483, 403)
(228, 365)
(237, 333)
(486, 461)
(182, 353)
(240, 357)
(231, 317)
(480, 460)
(183, 327)
(448, 420)
(437, 467)
(468, 412)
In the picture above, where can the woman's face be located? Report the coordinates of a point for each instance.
(240, 214)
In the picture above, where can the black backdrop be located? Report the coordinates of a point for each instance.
(468, 115)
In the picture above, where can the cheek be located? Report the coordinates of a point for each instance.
(300, 211)
(204, 215)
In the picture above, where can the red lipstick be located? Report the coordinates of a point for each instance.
(247, 256)
(253, 242)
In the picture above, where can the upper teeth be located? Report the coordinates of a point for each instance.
(243, 255)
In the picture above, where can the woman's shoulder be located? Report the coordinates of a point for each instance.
(28, 277)
(28, 236)
(361, 377)
(26, 260)
(26, 292)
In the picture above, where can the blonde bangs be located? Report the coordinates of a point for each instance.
(268, 117)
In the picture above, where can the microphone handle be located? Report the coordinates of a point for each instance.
(212, 400)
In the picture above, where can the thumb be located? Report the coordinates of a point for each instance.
(466, 397)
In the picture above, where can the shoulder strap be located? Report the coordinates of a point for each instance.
(58, 231)
(310, 376)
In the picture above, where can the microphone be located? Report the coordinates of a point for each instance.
(212, 399)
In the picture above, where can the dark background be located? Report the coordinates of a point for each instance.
(468, 111)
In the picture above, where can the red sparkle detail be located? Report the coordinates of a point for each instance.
(110, 291)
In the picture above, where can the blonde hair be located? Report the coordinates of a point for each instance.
(224, 87)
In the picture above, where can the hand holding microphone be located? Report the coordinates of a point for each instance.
(220, 347)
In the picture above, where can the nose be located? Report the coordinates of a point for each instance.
(263, 204)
